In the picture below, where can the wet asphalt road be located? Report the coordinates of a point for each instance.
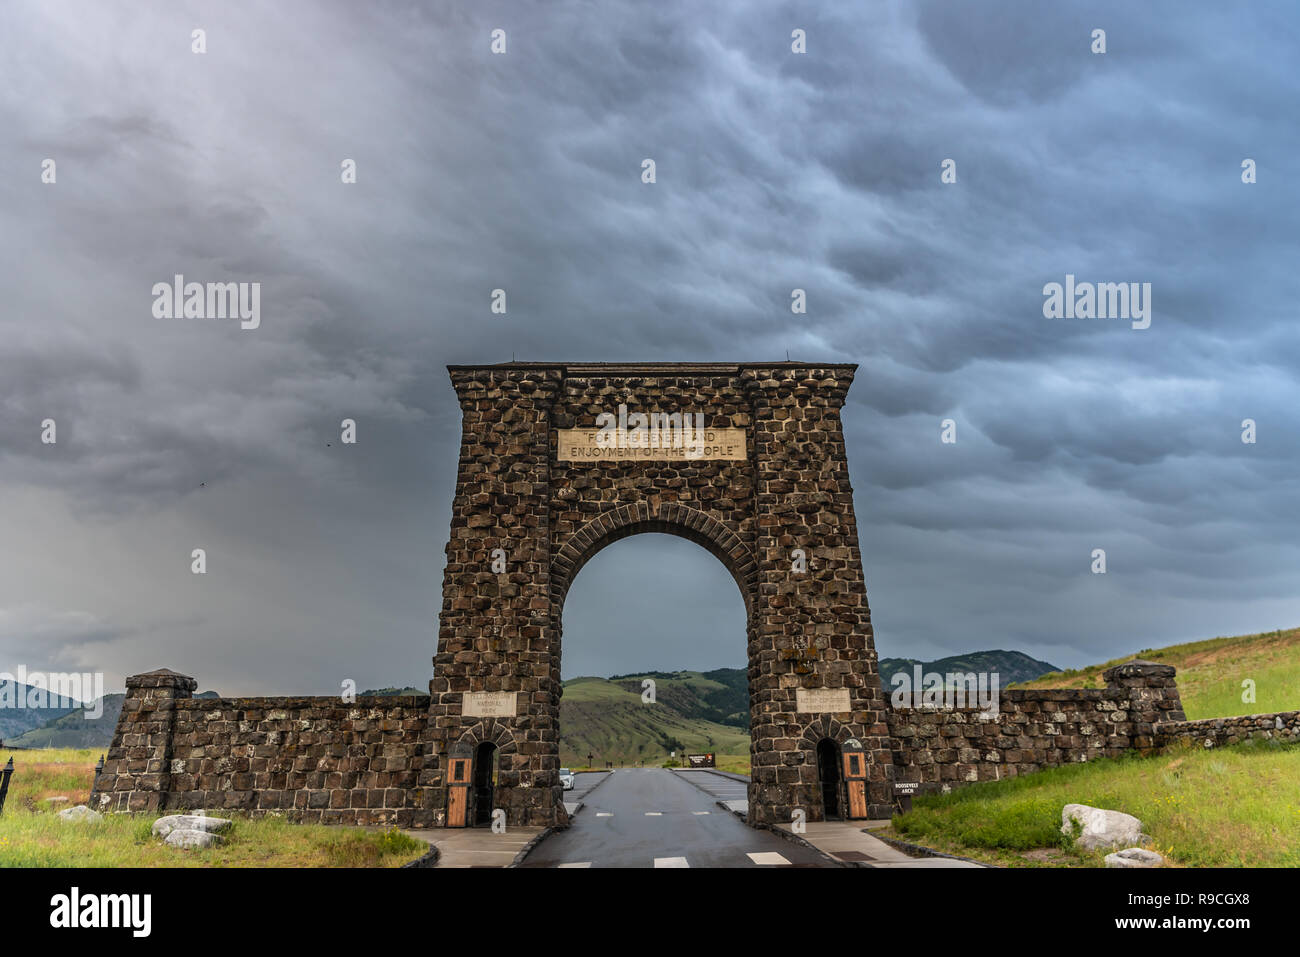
(654, 818)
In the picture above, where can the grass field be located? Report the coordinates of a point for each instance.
(33, 835)
(1210, 673)
(612, 723)
(1227, 807)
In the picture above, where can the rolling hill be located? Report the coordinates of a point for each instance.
(692, 711)
(707, 711)
(74, 730)
(15, 717)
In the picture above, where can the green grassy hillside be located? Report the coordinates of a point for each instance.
(607, 719)
(15, 717)
(705, 711)
(74, 730)
(1210, 673)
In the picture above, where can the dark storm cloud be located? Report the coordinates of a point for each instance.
(522, 172)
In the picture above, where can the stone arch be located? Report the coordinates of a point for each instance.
(671, 519)
(768, 479)
(486, 732)
(825, 726)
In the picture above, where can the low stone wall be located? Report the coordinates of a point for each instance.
(312, 759)
(1034, 729)
(321, 759)
(1216, 732)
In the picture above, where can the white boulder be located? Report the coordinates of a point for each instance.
(1102, 828)
(189, 822)
(190, 837)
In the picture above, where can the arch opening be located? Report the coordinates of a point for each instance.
(654, 608)
(828, 778)
(485, 782)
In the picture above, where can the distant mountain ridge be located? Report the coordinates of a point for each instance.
(15, 719)
(1009, 666)
(73, 729)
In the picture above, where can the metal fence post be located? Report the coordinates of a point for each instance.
(5, 775)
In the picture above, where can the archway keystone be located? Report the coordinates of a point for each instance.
(757, 471)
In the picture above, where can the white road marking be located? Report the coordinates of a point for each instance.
(654, 813)
(577, 864)
(604, 814)
(698, 813)
(671, 862)
(767, 857)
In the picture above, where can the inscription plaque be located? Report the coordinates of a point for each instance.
(489, 704)
(822, 700)
(587, 445)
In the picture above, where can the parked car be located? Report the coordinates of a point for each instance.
(566, 779)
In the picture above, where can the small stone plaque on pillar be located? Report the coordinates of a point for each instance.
(489, 704)
(822, 700)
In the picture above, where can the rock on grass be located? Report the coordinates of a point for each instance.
(1102, 828)
(189, 838)
(79, 813)
(1134, 857)
(190, 822)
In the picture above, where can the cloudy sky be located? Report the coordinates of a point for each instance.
(775, 170)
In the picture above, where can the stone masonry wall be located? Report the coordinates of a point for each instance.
(311, 759)
(321, 760)
(1035, 729)
(1216, 732)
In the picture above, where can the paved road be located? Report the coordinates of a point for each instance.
(720, 786)
(583, 782)
(652, 818)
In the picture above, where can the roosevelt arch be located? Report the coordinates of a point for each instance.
(768, 494)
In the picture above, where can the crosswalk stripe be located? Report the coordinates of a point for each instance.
(671, 862)
(767, 857)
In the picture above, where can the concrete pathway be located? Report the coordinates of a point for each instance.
(479, 847)
(476, 846)
(846, 841)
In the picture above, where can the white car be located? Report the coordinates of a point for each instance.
(566, 779)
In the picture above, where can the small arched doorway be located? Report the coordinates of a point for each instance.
(485, 782)
(828, 776)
